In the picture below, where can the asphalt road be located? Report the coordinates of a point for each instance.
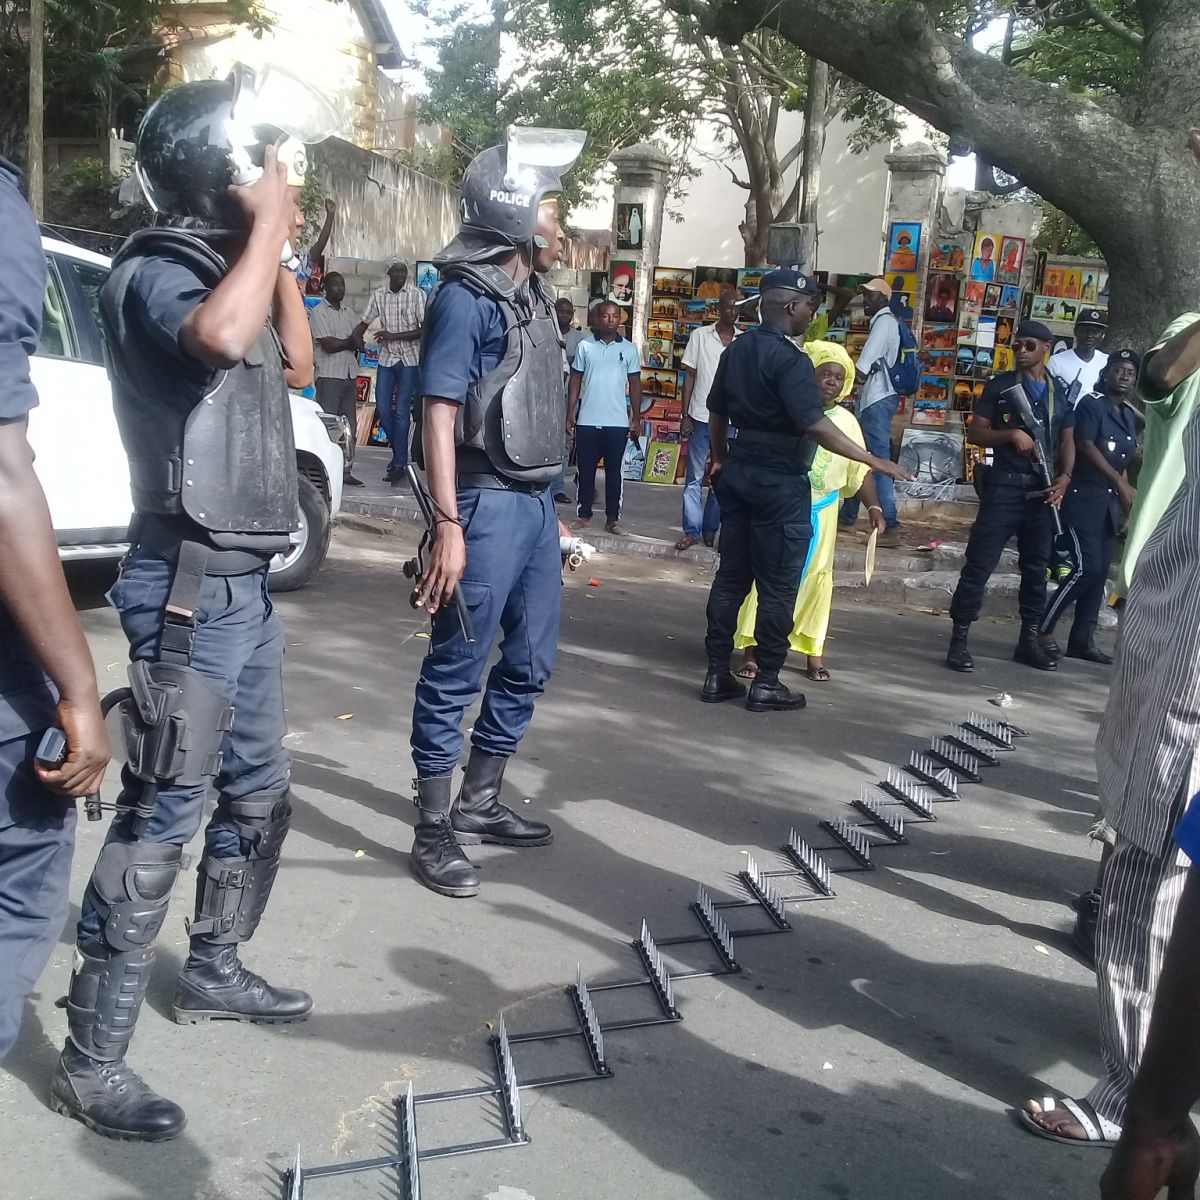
(872, 1052)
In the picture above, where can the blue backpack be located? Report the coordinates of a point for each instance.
(904, 374)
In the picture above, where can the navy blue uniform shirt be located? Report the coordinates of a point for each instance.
(464, 339)
(1091, 496)
(26, 697)
(1004, 415)
(764, 381)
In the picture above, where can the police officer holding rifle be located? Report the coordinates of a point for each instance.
(1018, 496)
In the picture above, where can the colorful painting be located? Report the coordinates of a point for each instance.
(946, 256)
(968, 324)
(1045, 308)
(631, 226)
(930, 412)
(985, 334)
(1052, 284)
(937, 362)
(904, 246)
(710, 282)
(932, 455)
(1010, 301)
(427, 277)
(597, 285)
(662, 458)
(963, 395)
(1012, 259)
(1004, 330)
(983, 362)
(1089, 292)
(1072, 283)
(939, 337)
(1003, 359)
(991, 295)
(974, 293)
(661, 329)
(665, 308)
(659, 352)
(965, 361)
(672, 281)
(934, 387)
(658, 383)
(941, 300)
(749, 280)
(983, 260)
(622, 277)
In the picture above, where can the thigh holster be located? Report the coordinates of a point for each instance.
(131, 885)
(232, 893)
(173, 723)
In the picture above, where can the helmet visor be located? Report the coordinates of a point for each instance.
(553, 149)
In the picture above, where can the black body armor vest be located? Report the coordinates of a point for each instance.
(228, 465)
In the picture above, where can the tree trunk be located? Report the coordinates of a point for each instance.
(35, 154)
(1129, 181)
(815, 105)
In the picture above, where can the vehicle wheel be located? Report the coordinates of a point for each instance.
(309, 544)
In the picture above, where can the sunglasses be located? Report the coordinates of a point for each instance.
(1029, 344)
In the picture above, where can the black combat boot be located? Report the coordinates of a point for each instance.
(215, 986)
(130, 887)
(958, 657)
(767, 694)
(231, 896)
(478, 815)
(437, 859)
(1030, 650)
(1090, 653)
(720, 684)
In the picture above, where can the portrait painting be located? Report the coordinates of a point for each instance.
(984, 258)
(904, 246)
(622, 277)
(631, 226)
(710, 282)
(941, 300)
(1012, 259)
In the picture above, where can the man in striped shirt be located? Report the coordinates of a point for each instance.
(335, 359)
(399, 309)
(1148, 766)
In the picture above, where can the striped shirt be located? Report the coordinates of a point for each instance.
(1148, 747)
(397, 312)
(326, 321)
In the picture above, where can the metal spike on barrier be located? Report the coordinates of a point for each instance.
(882, 820)
(1015, 730)
(996, 733)
(591, 1024)
(966, 765)
(912, 795)
(408, 1138)
(293, 1179)
(814, 868)
(715, 924)
(660, 977)
(933, 774)
(852, 841)
(964, 739)
(510, 1093)
(765, 892)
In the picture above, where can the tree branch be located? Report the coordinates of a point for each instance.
(1117, 28)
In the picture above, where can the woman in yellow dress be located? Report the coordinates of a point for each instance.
(832, 478)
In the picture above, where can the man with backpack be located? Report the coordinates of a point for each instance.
(886, 359)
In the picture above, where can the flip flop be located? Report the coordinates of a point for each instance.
(1102, 1134)
(749, 671)
(687, 543)
(818, 674)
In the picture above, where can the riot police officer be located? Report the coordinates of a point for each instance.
(765, 387)
(46, 672)
(1013, 501)
(205, 332)
(491, 433)
(1095, 504)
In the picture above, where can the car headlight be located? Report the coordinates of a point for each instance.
(338, 430)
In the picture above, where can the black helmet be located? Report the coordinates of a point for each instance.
(503, 187)
(198, 138)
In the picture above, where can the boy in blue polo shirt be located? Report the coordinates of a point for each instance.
(599, 414)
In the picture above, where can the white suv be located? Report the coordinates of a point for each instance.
(79, 457)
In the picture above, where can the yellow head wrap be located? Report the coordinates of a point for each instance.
(831, 352)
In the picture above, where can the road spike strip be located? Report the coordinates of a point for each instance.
(768, 889)
(657, 966)
(508, 1080)
(994, 731)
(915, 796)
(715, 922)
(813, 864)
(852, 838)
(975, 744)
(880, 817)
(296, 1180)
(592, 1029)
(408, 1130)
(941, 777)
(965, 762)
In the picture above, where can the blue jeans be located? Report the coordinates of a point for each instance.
(876, 422)
(395, 391)
(239, 648)
(698, 519)
(513, 587)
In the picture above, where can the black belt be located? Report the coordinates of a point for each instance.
(489, 479)
(1016, 479)
(766, 437)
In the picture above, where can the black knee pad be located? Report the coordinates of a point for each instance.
(134, 881)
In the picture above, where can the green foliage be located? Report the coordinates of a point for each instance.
(1061, 234)
(442, 163)
(81, 200)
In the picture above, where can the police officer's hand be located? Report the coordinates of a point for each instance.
(447, 562)
(1127, 494)
(268, 201)
(1022, 443)
(87, 750)
(1055, 494)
